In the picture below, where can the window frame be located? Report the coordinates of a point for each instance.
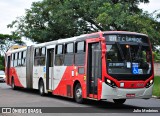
(65, 48)
(56, 51)
(80, 53)
(76, 47)
(38, 56)
(59, 55)
(69, 53)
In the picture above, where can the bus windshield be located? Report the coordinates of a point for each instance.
(128, 54)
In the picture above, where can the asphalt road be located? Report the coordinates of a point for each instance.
(31, 98)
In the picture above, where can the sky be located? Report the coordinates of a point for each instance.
(10, 9)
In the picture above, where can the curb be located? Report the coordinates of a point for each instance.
(155, 97)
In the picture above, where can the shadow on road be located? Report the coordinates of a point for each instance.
(87, 103)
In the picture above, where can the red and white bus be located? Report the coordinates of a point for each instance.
(107, 65)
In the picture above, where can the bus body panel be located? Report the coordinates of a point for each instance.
(38, 72)
(64, 80)
(21, 71)
(15, 76)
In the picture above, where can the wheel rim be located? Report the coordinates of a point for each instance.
(79, 93)
(12, 84)
(41, 89)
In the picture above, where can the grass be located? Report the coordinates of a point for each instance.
(156, 87)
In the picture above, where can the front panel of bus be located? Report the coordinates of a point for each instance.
(129, 67)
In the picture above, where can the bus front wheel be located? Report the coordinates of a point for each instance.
(78, 93)
(119, 101)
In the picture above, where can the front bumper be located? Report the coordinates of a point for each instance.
(120, 93)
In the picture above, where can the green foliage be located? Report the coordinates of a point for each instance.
(156, 56)
(53, 19)
(6, 41)
(156, 87)
(1, 62)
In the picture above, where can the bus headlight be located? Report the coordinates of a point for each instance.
(110, 83)
(149, 83)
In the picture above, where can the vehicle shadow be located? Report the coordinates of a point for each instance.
(102, 105)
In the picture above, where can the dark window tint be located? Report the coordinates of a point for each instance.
(39, 58)
(79, 59)
(69, 56)
(59, 57)
(68, 59)
(59, 60)
(37, 52)
(23, 58)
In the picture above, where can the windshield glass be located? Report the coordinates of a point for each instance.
(128, 57)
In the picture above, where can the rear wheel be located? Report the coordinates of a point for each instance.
(78, 93)
(13, 84)
(119, 101)
(41, 88)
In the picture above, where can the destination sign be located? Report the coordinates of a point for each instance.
(126, 38)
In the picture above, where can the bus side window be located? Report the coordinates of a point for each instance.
(15, 59)
(12, 63)
(69, 54)
(23, 58)
(59, 55)
(19, 58)
(43, 56)
(80, 53)
(39, 56)
(36, 57)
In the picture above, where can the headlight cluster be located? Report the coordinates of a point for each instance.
(110, 83)
(149, 83)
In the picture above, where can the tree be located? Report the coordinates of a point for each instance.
(6, 41)
(50, 20)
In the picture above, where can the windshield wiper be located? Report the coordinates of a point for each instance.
(120, 50)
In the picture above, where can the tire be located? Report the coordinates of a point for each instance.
(119, 101)
(41, 88)
(78, 93)
(13, 84)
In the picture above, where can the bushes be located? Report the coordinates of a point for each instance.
(156, 56)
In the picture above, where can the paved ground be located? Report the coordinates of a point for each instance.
(27, 98)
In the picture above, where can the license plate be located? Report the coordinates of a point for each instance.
(130, 95)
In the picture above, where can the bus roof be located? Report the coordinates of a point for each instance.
(124, 32)
(78, 38)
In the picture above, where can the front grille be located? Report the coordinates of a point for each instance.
(120, 77)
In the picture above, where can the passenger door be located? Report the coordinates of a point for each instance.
(93, 69)
(50, 69)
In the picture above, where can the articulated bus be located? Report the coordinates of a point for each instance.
(111, 65)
